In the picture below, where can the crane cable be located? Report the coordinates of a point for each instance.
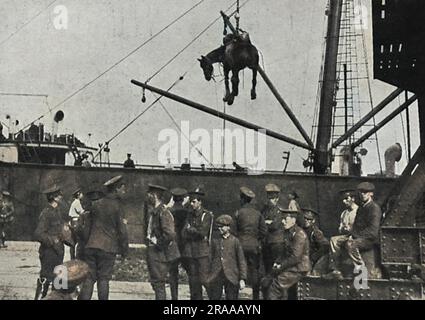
(117, 63)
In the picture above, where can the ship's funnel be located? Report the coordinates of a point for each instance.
(55, 126)
(392, 155)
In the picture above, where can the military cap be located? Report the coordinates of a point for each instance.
(178, 192)
(285, 213)
(366, 187)
(112, 181)
(128, 154)
(77, 271)
(6, 193)
(247, 192)
(156, 187)
(52, 189)
(76, 191)
(271, 187)
(224, 220)
(198, 192)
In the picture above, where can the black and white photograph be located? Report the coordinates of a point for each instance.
(232, 151)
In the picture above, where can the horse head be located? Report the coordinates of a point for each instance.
(207, 66)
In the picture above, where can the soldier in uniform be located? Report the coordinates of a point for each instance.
(69, 275)
(251, 230)
(364, 234)
(49, 233)
(196, 234)
(179, 212)
(107, 238)
(294, 262)
(319, 245)
(161, 240)
(6, 216)
(273, 219)
(228, 265)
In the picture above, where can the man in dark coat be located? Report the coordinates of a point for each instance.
(107, 238)
(319, 245)
(161, 241)
(179, 211)
(228, 265)
(273, 219)
(6, 216)
(364, 234)
(129, 163)
(49, 232)
(196, 235)
(251, 230)
(294, 262)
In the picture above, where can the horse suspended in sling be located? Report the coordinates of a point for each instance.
(236, 54)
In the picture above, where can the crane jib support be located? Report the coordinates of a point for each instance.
(221, 115)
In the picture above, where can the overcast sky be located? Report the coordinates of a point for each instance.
(42, 59)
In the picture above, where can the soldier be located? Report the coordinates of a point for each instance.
(161, 241)
(272, 217)
(6, 216)
(49, 233)
(107, 238)
(294, 262)
(364, 234)
(196, 234)
(69, 275)
(319, 245)
(251, 230)
(228, 265)
(179, 212)
(129, 163)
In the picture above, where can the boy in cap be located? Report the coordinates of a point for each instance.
(49, 232)
(293, 202)
(364, 234)
(162, 248)
(75, 211)
(107, 238)
(319, 245)
(272, 217)
(196, 235)
(228, 265)
(68, 276)
(251, 230)
(294, 261)
(6, 216)
(179, 212)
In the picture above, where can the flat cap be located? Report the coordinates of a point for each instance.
(51, 189)
(224, 220)
(271, 187)
(366, 187)
(76, 191)
(112, 181)
(247, 192)
(77, 271)
(294, 194)
(157, 187)
(6, 193)
(178, 192)
(347, 192)
(309, 213)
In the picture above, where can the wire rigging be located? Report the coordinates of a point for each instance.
(119, 61)
(27, 23)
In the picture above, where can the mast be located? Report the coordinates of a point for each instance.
(327, 95)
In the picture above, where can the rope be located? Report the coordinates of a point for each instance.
(404, 132)
(191, 42)
(119, 61)
(137, 117)
(26, 23)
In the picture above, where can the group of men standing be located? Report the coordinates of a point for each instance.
(269, 249)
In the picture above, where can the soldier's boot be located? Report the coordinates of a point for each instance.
(256, 292)
(45, 290)
(39, 288)
(174, 289)
(103, 289)
(159, 290)
(86, 290)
